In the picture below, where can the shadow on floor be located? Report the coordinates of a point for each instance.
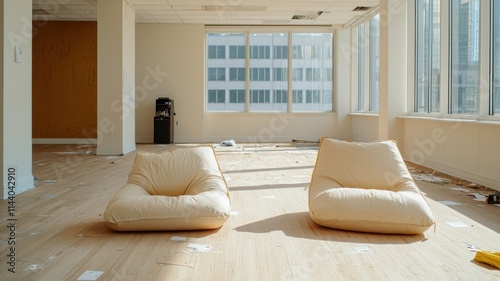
(300, 225)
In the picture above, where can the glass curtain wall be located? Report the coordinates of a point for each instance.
(464, 50)
(428, 69)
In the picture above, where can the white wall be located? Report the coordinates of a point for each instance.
(15, 92)
(170, 63)
(177, 53)
(268, 127)
(365, 127)
(466, 149)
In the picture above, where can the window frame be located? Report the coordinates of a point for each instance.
(362, 83)
(461, 78)
(272, 70)
(485, 93)
(428, 105)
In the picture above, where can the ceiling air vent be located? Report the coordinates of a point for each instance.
(361, 9)
(308, 16)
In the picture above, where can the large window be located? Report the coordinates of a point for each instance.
(261, 67)
(361, 67)
(374, 63)
(226, 92)
(495, 54)
(263, 80)
(312, 64)
(427, 59)
(464, 48)
(469, 60)
(368, 48)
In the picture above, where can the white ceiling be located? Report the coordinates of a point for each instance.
(214, 12)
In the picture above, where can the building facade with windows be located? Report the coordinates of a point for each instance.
(284, 72)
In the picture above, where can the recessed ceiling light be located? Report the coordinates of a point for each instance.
(361, 8)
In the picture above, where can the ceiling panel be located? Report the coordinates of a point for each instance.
(210, 12)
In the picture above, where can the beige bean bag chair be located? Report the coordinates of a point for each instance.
(366, 187)
(179, 190)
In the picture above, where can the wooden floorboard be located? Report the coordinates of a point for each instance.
(60, 234)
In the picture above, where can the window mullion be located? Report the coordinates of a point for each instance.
(445, 86)
(290, 72)
(491, 107)
(247, 72)
(485, 59)
(430, 19)
(367, 67)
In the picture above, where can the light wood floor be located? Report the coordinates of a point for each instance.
(60, 234)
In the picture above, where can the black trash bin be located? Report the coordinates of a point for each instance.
(164, 121)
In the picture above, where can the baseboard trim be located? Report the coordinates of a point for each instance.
(22, 185)
(63, 141)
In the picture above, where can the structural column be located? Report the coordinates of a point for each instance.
(15, 97)
(393, 69)
(116, 78)
(343, 90)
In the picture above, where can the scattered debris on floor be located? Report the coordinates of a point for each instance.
(458, 224)
(90, 275)
(431, 178)
(192, 247)
(478, 197)
(360, 250)
(199, 248)
(466, 190)
(477, 191)
(228, 143)
(181, 239)
(471, 247)
(34, 267)
(300, 143)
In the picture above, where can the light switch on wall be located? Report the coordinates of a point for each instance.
(18, 54)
